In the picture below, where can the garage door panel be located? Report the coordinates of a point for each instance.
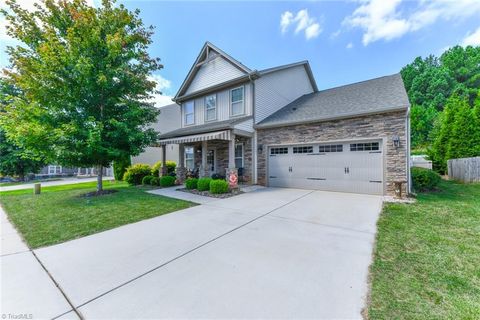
(342, 167)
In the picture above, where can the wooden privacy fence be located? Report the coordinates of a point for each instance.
(464, 169)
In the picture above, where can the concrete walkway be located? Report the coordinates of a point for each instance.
(270, 253)
(26, 288)
(60, 182)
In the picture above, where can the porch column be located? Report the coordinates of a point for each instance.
(231, 152)
(181, 171)
(163, 172)
(203, 172)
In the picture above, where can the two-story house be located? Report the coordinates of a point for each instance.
(277, 129)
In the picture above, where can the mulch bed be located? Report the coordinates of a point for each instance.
(97, 193)
(232, 193)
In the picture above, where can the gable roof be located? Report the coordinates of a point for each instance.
(306, 65)
(202, 58)
(378, 95)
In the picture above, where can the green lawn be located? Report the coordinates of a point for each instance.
(59, 214)
(427, 257)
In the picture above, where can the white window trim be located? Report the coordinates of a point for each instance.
(185, 113)
(243, 102)
(242, 157)
(206, 109)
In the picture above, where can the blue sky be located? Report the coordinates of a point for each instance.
(344, 42)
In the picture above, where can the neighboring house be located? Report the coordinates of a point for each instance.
(421, 161)
(168, 120)
(279, 130)
(53, 170)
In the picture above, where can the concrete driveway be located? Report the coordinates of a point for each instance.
(271, 253)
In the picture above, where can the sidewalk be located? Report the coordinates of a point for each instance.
(61, 182)
(26, 288)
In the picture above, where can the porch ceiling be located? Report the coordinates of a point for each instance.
(216, 135)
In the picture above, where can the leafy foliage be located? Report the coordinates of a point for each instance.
(147, 180)
(135, 174)
(167, 181)
(430, 82)
(120, 166)
(203, 184)
(218, 186)
(155, 181)
(191, 183)
(14, 160)
(85, 76)
(425, 179)
(171, 166)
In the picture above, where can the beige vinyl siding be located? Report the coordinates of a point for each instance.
(275, 90)
(223, 105)
(217, 71)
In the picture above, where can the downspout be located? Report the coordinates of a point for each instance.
(407, 124)
(254, 138)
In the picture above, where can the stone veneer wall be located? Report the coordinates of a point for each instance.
(380, 125)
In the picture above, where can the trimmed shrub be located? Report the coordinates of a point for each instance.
(167, 181)
(217, 176)
(134, 174)
(425, 179)
(171, 165)
(191, 183)
(218, 186)
(147, 179)
(120, 167)
(203, 184)
(155, 181)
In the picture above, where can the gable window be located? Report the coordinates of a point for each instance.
(239, 155)
(237, 101)
(189, 111)
(189, 161)
(210, 107)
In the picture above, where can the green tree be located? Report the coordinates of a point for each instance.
(14, 160)
(461, 143)
(85, 74)
(422, 122)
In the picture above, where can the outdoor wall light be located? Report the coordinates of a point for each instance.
(260, 148)
(396, 141)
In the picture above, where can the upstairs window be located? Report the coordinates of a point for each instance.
(210, 107)
(189, 112)
(237, 101)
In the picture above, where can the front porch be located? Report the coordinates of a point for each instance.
(213, 153)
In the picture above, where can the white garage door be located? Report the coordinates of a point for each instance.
(346, 167)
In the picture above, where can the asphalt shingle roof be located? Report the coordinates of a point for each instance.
(377, 95)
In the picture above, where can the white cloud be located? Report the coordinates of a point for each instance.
(385, 20)
(163, 85)
(349, 45)
(304, 23)
(472, 39)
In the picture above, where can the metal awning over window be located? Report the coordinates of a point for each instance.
(216, 135)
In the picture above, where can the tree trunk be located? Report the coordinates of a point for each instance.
(99, 178)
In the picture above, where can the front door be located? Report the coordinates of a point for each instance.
(211, 161)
